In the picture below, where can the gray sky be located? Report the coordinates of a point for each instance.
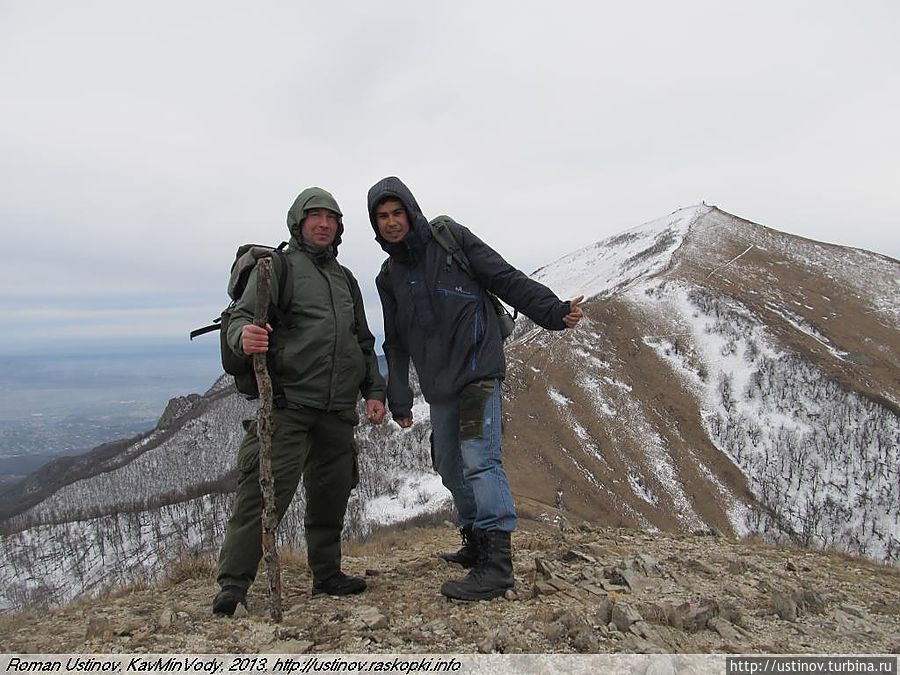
(140, 143)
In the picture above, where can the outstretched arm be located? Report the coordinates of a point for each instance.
(511, 285)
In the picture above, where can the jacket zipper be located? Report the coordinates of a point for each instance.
(475, 339)
(458, 294)
(334, 343)
(476, 324)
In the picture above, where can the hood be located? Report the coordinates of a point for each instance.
(394, 188)
(313, 198)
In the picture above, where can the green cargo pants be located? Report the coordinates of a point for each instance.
(316, 445)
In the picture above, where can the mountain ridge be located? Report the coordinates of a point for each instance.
(684, 301)
(725, 375)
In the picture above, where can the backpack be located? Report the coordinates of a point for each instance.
(443, 235)
(240, 366)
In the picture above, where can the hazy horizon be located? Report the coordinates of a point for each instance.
(54, 405)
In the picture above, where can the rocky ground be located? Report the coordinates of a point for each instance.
(580, 589)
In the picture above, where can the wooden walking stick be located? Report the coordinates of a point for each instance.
(265, 426)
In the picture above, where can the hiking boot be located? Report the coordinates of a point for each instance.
(228, 599)
(339, 584)
(492, 574)
(467, 556)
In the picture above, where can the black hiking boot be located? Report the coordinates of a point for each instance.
(492, 574)
(228, 599)
(339, 584)
(466, 556)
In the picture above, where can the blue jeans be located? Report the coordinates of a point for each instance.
(466, 452)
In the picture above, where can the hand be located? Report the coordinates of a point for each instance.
(404, 422)
(575, 313)
(255, 339)
(375, 411)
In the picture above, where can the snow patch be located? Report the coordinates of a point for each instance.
(416, 494)
(595, 392)
(641, 489)
(612, 264)
(804, 326)
(558, 398)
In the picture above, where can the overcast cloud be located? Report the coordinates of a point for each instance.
(140, 143)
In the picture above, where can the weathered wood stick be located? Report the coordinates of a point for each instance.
(265, 426)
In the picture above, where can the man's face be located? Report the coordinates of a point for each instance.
(320, 227)
(390, 216)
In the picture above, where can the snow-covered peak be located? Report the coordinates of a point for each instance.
(612, 264)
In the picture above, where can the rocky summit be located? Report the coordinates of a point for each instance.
(579, 589)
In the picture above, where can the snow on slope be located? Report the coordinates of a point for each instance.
(50, 564)
(822, 460)
(202, 451)
(54, 563)
(46, 565)
(609, 266)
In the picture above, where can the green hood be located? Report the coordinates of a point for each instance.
(313, 198)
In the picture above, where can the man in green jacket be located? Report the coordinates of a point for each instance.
(323, 354)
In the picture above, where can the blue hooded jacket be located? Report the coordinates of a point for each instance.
(440, 316)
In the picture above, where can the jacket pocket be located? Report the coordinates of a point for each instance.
(471, 311)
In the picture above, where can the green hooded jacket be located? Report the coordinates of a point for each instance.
(324, 354)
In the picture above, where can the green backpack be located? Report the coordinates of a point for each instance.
(240, 366)
(443, 235)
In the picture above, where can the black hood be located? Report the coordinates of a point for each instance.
(393, 188)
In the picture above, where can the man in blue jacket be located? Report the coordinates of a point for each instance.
(440, 315)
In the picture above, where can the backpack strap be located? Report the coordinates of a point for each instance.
(444, 236)
(215, 325)
(281, 316)
(281, 312)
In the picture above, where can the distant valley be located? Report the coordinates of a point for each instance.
(52, 405)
